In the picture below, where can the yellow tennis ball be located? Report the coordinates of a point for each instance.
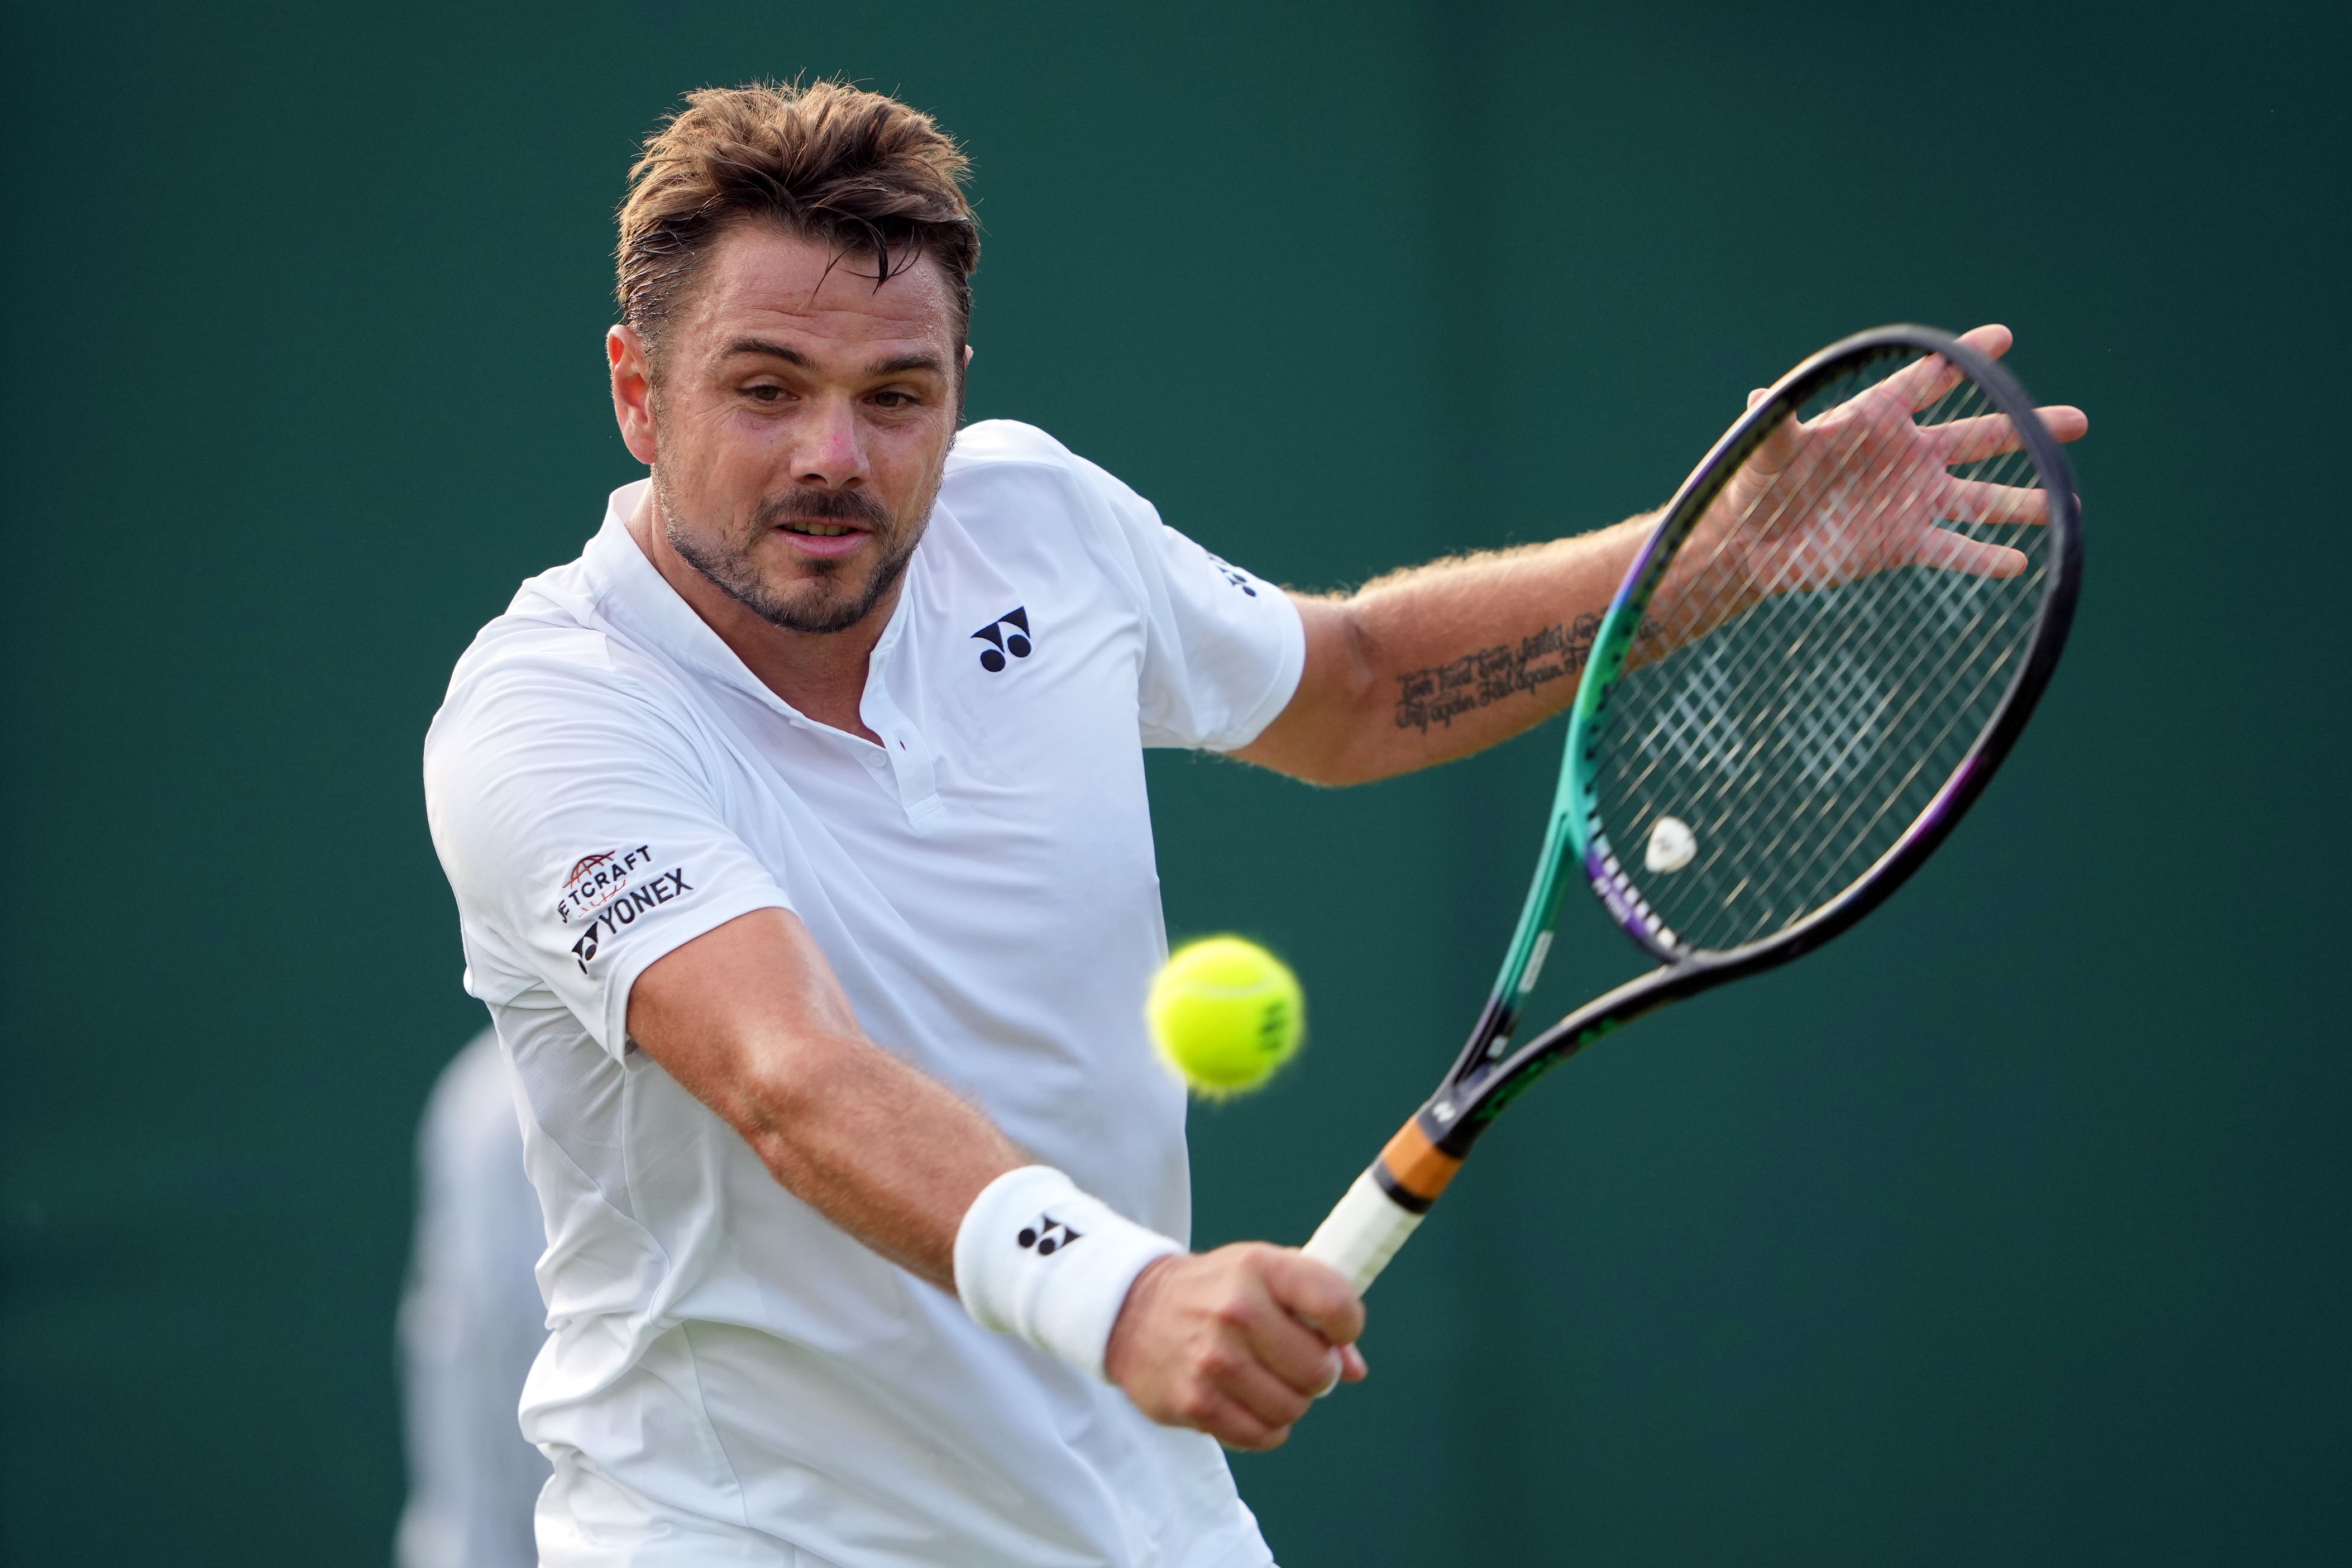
(1224, 1014)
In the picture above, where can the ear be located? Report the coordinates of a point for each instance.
(633, 390)
(967, 356)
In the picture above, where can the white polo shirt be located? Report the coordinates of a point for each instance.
(729, 1377)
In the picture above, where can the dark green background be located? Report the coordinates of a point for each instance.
(2011, 1229)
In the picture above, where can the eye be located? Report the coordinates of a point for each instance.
(894, 399)
(765, 394)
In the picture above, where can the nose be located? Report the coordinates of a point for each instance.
(830, 453)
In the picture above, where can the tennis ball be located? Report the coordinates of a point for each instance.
(1224, 1014)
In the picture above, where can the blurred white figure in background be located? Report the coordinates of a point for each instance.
(471, 1322)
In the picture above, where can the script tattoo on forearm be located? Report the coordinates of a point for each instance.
(1440, 693)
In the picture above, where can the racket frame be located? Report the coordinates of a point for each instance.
(1489, 1074)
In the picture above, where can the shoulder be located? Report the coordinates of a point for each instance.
(1003, 458)
(517, 660)
(554, 642)
(537, 679)
(1007, 443)
(1016, 488)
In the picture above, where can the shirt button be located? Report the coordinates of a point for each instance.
(876, 760)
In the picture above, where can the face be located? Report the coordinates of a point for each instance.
(798, 426)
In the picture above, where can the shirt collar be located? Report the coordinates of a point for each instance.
(638, 601)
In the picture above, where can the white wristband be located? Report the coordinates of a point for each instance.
(1038, 1258)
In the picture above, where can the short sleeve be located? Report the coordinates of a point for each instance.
(580, 829)
(1224, 649)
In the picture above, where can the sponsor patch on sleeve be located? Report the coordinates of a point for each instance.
(605, 892)
(1233, 574)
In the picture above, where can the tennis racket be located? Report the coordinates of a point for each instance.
(1831, 638)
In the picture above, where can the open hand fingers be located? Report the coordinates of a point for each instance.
(1779, 448)
(2065, 421)
(1920, 384)
(1991, 340)
(1973, 501)
(1991, 434)
(1941, 547)
(1917, 385)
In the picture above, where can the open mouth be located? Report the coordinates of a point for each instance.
(820, 537)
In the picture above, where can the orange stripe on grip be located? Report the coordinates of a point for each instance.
(1418, 1165)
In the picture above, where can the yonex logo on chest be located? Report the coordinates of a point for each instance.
(1008, 633)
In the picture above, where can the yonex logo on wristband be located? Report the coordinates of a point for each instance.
(1060, 1300)
(1047, 1234)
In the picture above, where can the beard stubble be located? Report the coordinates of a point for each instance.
(803, 606)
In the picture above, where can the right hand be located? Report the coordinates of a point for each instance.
(1236, 1343)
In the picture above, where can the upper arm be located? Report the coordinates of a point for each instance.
(1223, 651)
(742, 1015)
(1221, 648)
(584, 835)
(1317, 733)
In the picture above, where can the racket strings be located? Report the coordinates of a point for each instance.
(1842, 667)
(1839, 713)
(1935, 752)
(1949, 746)
(1844, 712)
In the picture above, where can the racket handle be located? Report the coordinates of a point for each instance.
(1361, 1233)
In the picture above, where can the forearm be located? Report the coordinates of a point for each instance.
(749, 1019)
(1431, 664)
(889, 1154)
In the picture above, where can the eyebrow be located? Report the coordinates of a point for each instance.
(773, 351)
(905, 362)
(898, 365)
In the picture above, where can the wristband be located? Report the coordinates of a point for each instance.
(1038, 1258)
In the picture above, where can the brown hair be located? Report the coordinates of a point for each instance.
(854, 170)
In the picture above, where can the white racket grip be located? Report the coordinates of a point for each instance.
(1361, 1233)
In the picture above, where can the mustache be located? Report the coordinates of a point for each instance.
(802, 504)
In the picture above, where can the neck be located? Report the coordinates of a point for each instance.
(822, 674)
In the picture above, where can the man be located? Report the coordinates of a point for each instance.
(800, 840)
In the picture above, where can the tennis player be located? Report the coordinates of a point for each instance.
(799, 836)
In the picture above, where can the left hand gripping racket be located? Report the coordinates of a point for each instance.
(1837, 629)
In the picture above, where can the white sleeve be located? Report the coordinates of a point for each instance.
(1224, 649)
(580, 833)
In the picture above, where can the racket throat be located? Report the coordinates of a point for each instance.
(1490, 1041)
(1414, 1167)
